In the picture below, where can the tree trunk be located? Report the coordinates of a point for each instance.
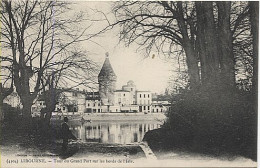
(49, 114)
(51, 97)
(1, 103)
(191, 56)
(200, 41)
(227, 62)
(254, 19)
(192, 64)
(23, 89)
(26, 111)
(211, 50)
(1, 109)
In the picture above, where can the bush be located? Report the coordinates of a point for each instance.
(11, 114)
(216, 122)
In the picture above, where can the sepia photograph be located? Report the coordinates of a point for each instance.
(128, 83)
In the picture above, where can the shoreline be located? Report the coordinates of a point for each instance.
(117, 117)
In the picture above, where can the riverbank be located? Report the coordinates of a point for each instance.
(109, 155)
(117, 117)
(167, 146)
(26, 151)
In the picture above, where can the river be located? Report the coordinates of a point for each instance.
(117, 132)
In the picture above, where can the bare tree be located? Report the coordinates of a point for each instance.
(206, 31)
(76, 70)
(158, 24)
(39, 38)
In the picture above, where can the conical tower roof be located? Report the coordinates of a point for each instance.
(107, 70)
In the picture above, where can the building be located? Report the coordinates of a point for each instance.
(71, 101)
(144, 100)
(108, 99)
(93, 103)
(107, 83)
(130, 86)
(159, 106)
(161, 103)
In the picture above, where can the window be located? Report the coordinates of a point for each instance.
(140, 96)
(131, 89)
(94, 110)
(161, 110)
(64, 108)
(98, 104)
(144, 107)
(144, 95)
(88, 104)
(124, 94)
(148, 107)
(148, 95)
(99, 110)
(157, 110)
(94, 104)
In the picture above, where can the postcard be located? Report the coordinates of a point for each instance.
(129, 83)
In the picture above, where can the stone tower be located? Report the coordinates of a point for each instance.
(107, 83)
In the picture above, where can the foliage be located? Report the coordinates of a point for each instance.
(210, 122)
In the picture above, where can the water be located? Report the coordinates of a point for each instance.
(118, 132)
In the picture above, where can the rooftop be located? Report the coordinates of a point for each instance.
(106, 69)
(121, 91)
(143, 91)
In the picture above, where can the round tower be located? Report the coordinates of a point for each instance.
(132, 89)
(107, 82)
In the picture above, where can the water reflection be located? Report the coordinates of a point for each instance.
(113, 132)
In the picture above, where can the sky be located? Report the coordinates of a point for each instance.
(148, 73)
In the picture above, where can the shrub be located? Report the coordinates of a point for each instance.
(215, 121)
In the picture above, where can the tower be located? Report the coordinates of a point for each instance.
(132, 89)
(107, 82)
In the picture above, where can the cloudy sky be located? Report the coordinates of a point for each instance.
(128, 64)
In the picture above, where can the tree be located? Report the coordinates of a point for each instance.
(38, 38)
(206, 31)
(217, 60)
(158, 24)
(254, 20)
(77, 68)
